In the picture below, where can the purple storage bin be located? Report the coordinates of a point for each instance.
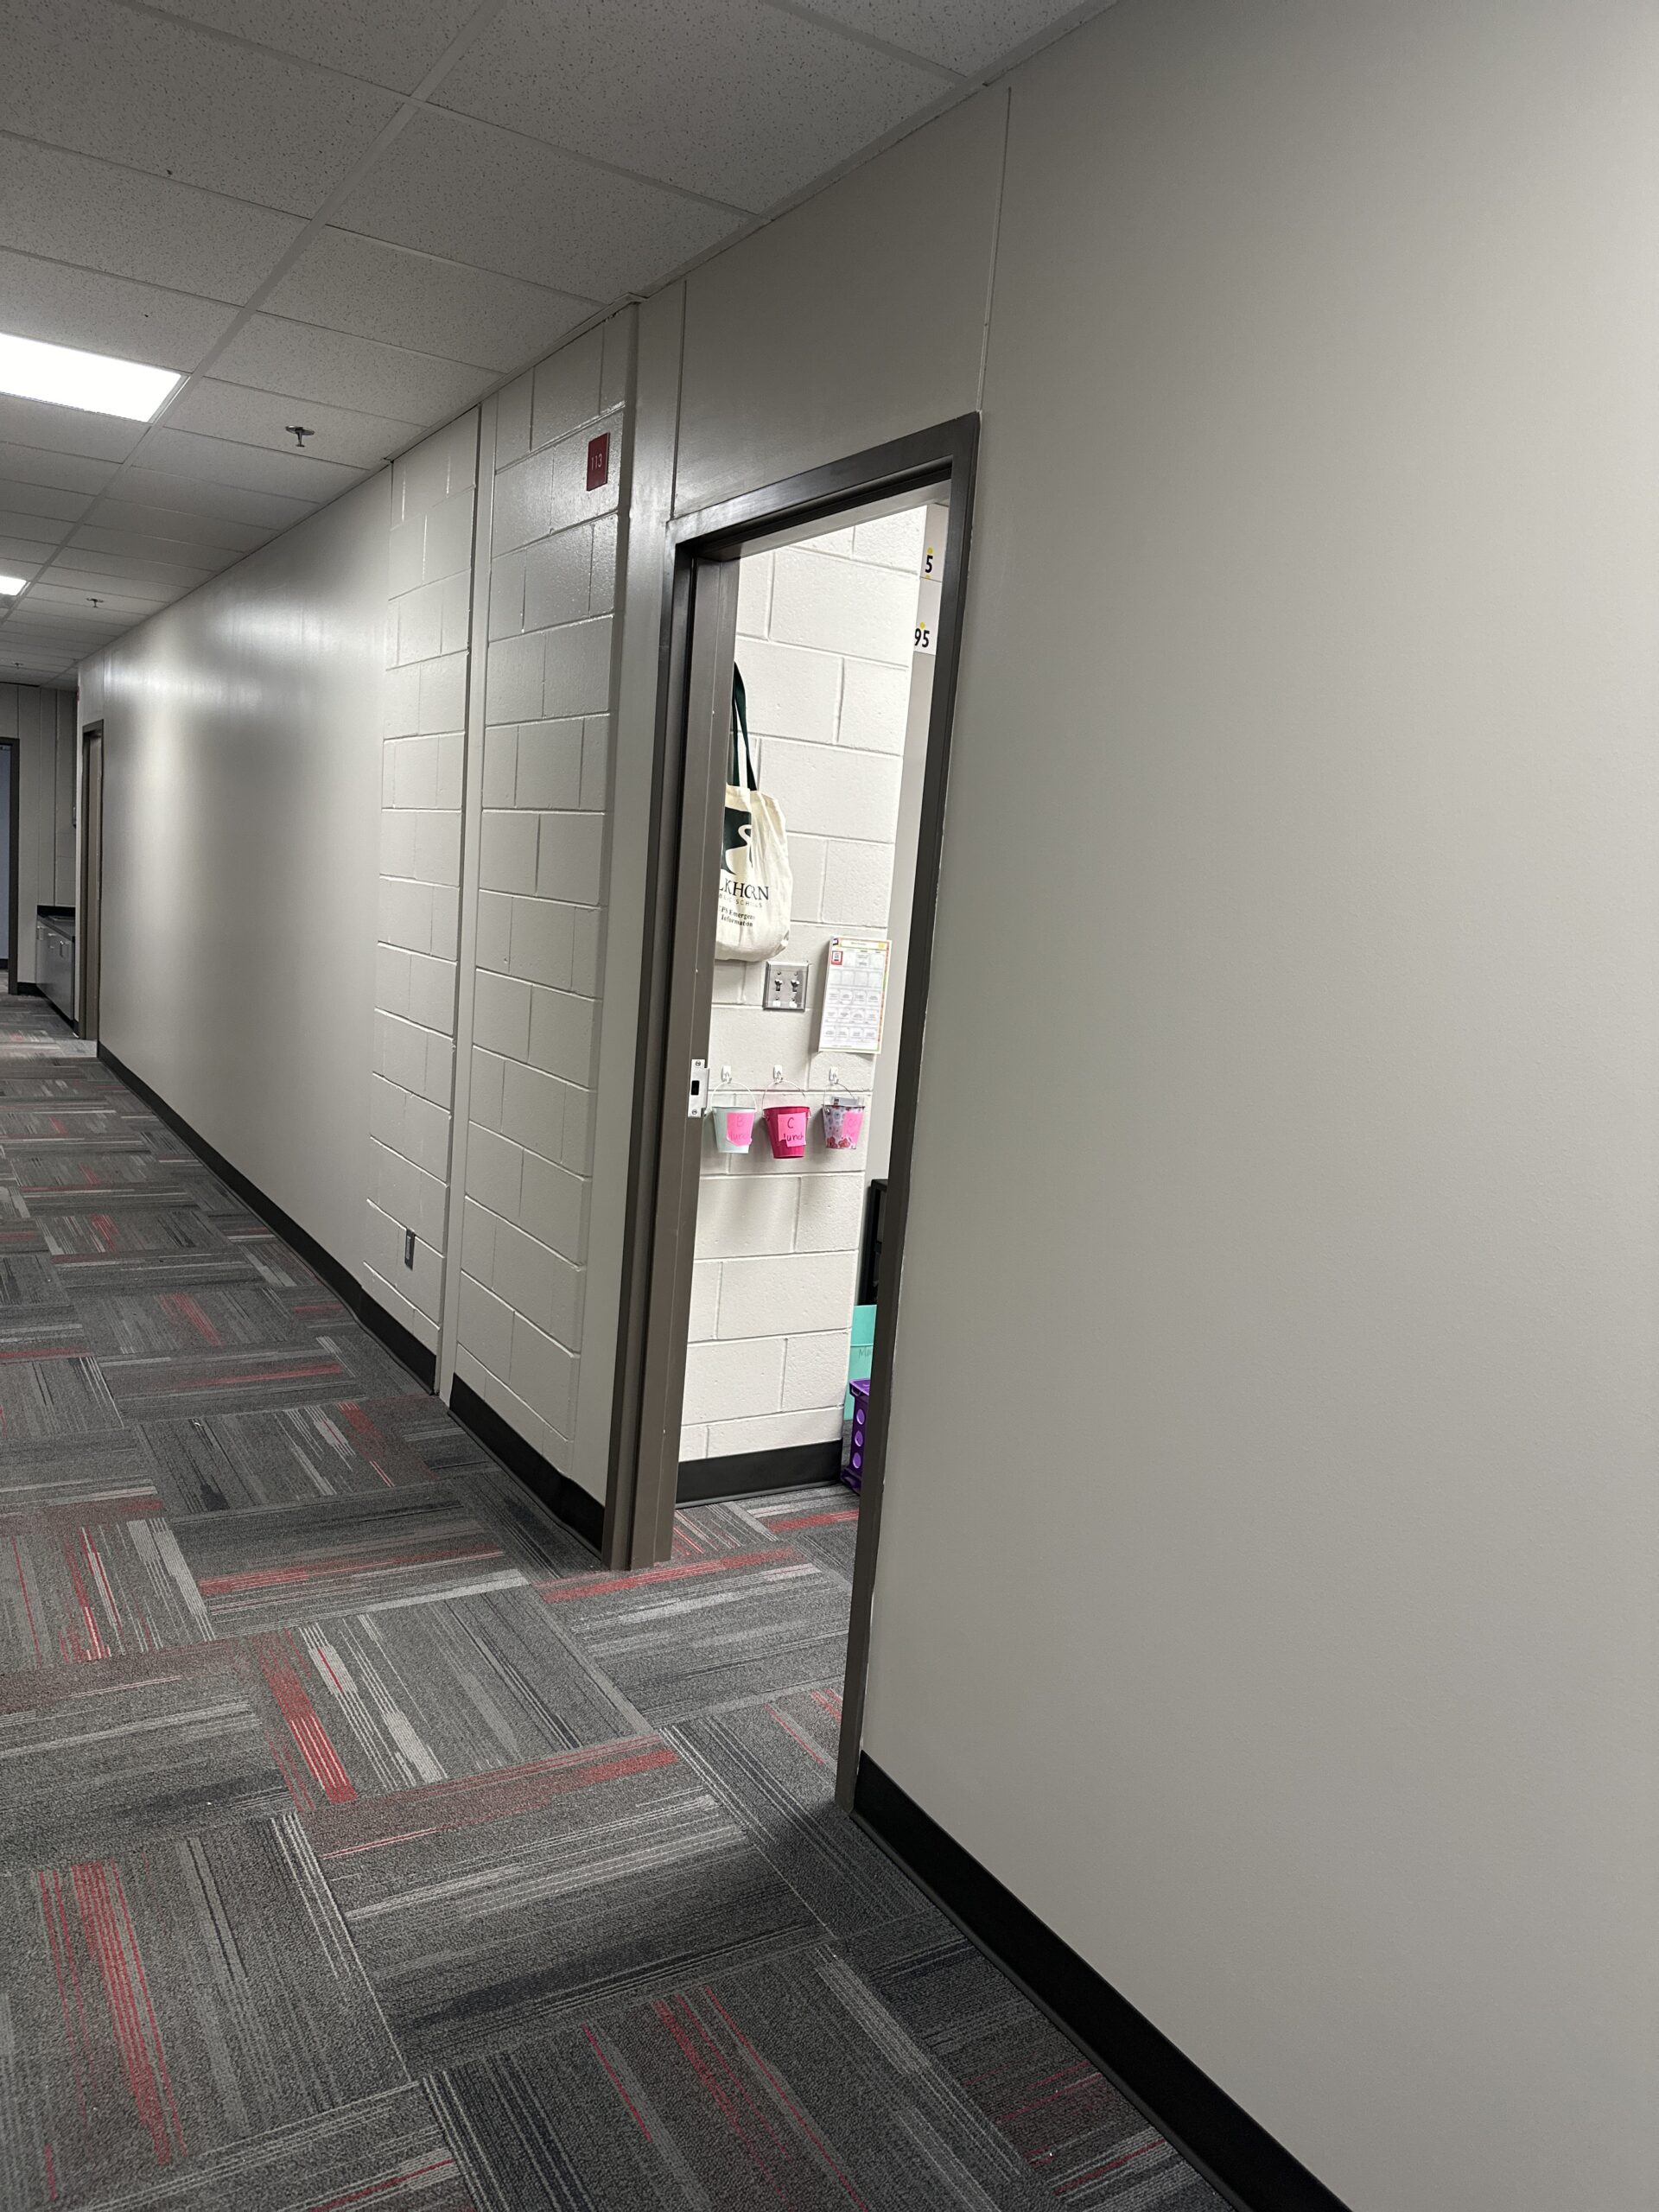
(853, 1473)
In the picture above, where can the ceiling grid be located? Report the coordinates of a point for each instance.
(359, 216)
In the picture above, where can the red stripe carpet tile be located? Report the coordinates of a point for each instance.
(362, 1843)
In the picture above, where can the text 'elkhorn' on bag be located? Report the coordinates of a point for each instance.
(755, 883)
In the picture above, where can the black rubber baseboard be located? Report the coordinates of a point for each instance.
(27, 991)
(565, 1500)
(1234, 2154)
(402, 1343)
(748, 1474)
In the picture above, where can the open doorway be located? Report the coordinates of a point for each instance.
(811, 667)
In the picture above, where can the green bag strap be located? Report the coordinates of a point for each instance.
(741, 767)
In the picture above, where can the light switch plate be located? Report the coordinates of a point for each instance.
(785, 991)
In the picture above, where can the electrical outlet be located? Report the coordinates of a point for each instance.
(785, 991)
(408, 1248)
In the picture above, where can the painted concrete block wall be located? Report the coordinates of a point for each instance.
(825, 636)
(429, 611)
(541, 890)
(42, 723)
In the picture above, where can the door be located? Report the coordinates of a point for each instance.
(88, 921)
(677, 982)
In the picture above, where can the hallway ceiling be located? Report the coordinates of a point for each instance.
(359, 215)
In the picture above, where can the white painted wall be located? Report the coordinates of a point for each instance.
(242, 813)
(825, 636)
(1287, 1643)
(858, 317)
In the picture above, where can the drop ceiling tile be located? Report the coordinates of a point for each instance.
(18, 529)
(135, 544)
(214, 533)
(253, 468)
(738, 101)
(375, 290)
(75, 599)
(166, 97)
(343, 372)
(106, 314)
(261, 418)
(389, 42)
(969, 36)
(442, 183)
(29, 508)
(63, 472)
(196, 495)
(67, 429)
(76, 209)
(120, 570)
(25, 555)
(66, 637)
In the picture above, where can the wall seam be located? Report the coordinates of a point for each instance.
(472, 822)
(997, 247)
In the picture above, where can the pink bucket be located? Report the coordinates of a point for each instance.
(734, 1128)
(844, 1124)
(786, 1127)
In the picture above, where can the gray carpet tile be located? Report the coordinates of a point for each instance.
(484, 1911)
(29, 1284)
(823, 1524)
(43, 1398)
(106, 1469)
(785, 2083)
(279, 1455)
(329, 1759)
(773, 1762)
(206, 1316)
(81, 1583)
(169, 1999)
(95, 1758)
(386, 2153)
(1087, 2141)
(704, 1632)
(380, 1702)
(265, 1568)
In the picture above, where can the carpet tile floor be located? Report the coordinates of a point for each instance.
(362, 1843)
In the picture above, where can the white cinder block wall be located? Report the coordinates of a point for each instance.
(541, 890)
(825, 632)
(428, 623)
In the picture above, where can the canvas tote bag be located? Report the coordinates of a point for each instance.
(755, 883)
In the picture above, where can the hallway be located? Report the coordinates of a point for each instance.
(362, 1842)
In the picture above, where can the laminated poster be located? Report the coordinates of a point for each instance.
(854, 994)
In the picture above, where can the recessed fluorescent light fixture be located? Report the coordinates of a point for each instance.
(31, 369)
(10, 586)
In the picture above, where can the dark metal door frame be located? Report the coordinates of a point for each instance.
(89, 915)
(700, 622)
(14, 785)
